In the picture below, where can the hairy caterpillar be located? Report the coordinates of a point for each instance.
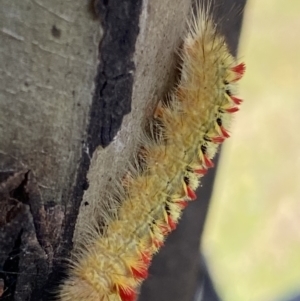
(177, 149)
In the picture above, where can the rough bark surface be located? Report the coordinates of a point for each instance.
(76, 75)
(48, 63)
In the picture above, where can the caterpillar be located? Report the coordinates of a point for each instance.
(176, 150)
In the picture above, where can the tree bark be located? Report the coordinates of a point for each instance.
(78, 80)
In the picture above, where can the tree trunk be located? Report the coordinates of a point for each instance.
(78, 79)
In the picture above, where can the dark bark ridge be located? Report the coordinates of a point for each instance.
(111, 102)
(114, 80)
(26, 242)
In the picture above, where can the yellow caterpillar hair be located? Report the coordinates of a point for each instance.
(177, 149)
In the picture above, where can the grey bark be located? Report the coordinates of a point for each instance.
(74, 75)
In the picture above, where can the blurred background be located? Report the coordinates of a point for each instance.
(252, 235)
